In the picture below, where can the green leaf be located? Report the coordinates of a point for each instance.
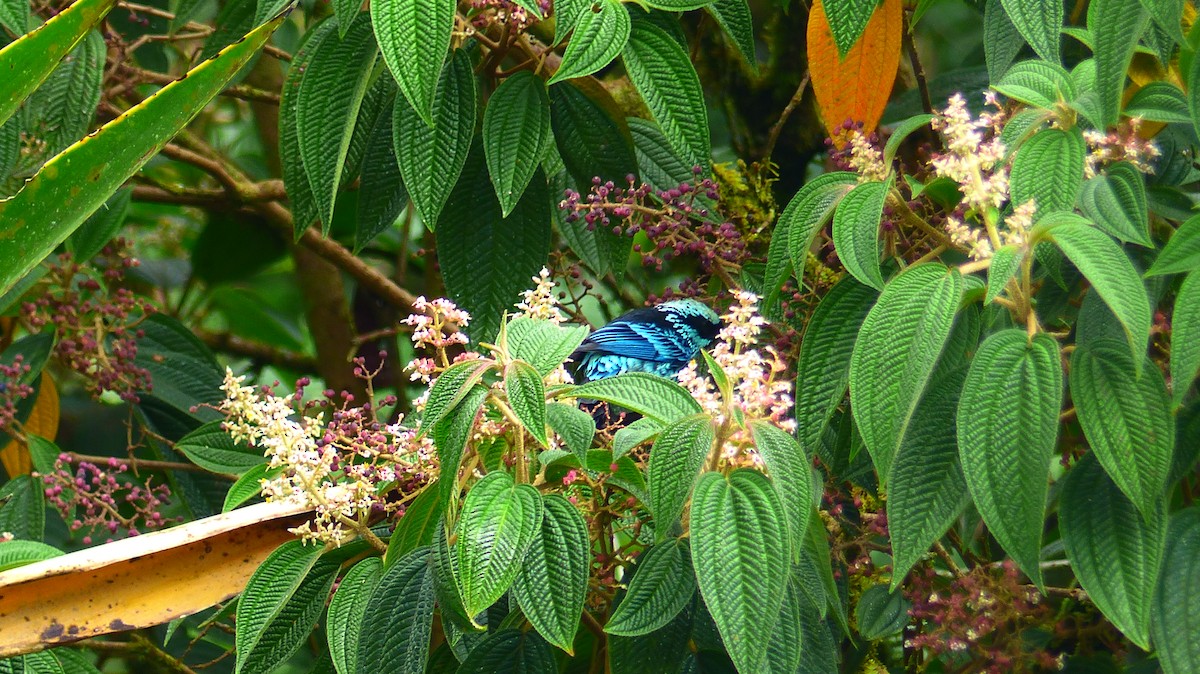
(185, 373)
(449, 389)
(235, 19)
(1113, 550)
(32, 57)
(856, 231)
(72, 185)
(414, 36)
(416, 526)
(637, 432)
(592, 136)
(881, 613)
(487, 259)
(649, 395)
(1048, 168)
(897, 348)
(1174, 614)
(23, 507)
(1168, 16)
(382, 195)
(398, 621)
(1039, 83)
(498, 524)
(784, 651)
(553, 581)
(516, 130)
(663, 74)
(541, 343)
(1185, 338)
(740, 556)
(65, 103)
(527, 396)
(790, 469)
(1116, 26)
(1116, 202)
(1039, 22)
(295, 179)
(19, 553)
(451, 436)
(1006, 262)
(434, 153)
(675, 462)
(331, 91)
(1007, 431)
(927, 488)
(1113, 276)
(566, 15)
(847, 21)
(677, 5)
(510, 650)
(211, 448)
(823, 370)
(1001, 40)
(247, 486)
(350, 602)
(15, 16)
(735, 19)
(272, 596)
(903, 130)
(95, 232)
(808, 211)
(600, 35)
(1159, 102)
(1126, 419)
(574, 426)
(662, 585)
(1182, 252)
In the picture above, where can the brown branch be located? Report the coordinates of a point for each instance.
(150, 464)
(918, 72)
(230, 343)
(777, 128)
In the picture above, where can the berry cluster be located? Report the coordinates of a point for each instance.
(678, 221)
(12, 390)
(96, 319)
(99, 500)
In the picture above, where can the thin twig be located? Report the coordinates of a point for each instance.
(783, 116)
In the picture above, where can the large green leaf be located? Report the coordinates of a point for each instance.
(210, 447)
(823, 370)
(451, 436)
(451, 386)
(1115, 26)
(1175, 615)
(77, 181)
(664, 76)
(487, 259)
(382, 194)
(895, 353)
(510, 650)
(1113, 276)
(416, 526)
(62, 108)
(434, 154)
(856, 231)
(1116, 202)
(1007, 431)
(1182, 252)
(23, 507)
(1112, 548)
(599, 37)
(275, 595)
(346, 611)
(927, 488)
(809, 210)
(414, 36)
(740, 554)
(541, 343)
(735, 18)
(295, 179)
(15, 16)
(662, 585)
(1039, 22)
(1048, 168)
(498, 524)
(1001, 40)
(1041, 84)
(1126, 419)
(592, 140)
(516, 130)
(576, 427)
(16, 553)
(394, 637)
(847, 21)
(331, 91)
(527, 397)
(1159, 102)
(32, 57)
(675, 462)
(790, 469)
(647, 394)
(1185, 337)
(553, 581)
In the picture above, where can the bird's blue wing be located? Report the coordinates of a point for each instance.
(648, 337)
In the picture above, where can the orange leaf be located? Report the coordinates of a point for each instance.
(139, 582)
(42, 421)
(857, 87)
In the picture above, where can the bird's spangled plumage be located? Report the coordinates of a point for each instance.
(660, 340)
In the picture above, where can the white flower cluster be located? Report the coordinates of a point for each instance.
(539, 301)
(973, 161)
(866, 159)
(754, 373)
(1123, 144)
(435, 326)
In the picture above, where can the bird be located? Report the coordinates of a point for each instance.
(660, 340)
